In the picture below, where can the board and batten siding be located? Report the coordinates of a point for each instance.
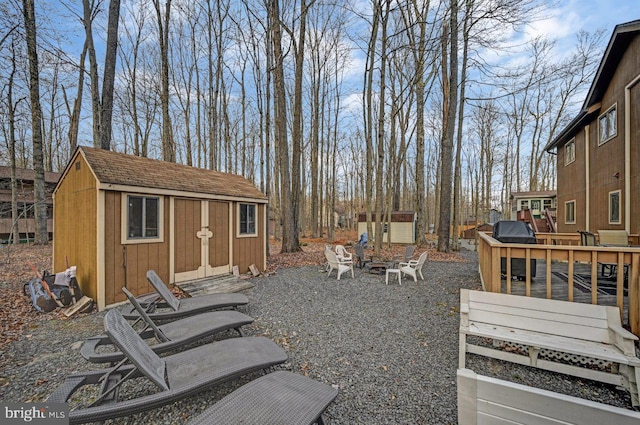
(249, 250)
(76, 221)
(126, 265)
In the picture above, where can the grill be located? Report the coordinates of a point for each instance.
(515, 232)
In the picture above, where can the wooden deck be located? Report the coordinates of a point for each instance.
(582, 293)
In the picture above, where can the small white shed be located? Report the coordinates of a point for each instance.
(403, 226)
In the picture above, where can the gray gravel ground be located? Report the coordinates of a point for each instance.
(391, 350)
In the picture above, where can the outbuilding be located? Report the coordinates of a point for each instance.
(403, 226)
(117, 216)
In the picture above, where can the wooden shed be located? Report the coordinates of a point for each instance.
(403, 226)
(117, 216)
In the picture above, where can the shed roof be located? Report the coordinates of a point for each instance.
(130, 170)
(621, 37)
(396, 216)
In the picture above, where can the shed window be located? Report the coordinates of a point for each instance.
(570, 152)
(143, 217)
(607, 125)
(614, 207)
(570, 212)
(247, 219)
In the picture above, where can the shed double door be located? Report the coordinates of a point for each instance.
(201, 241)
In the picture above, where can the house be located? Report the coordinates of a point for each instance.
(598, 154)
(403, 226)
(117, 216)
(536, 202)
(26, 220)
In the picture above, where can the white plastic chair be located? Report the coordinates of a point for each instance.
(342, 254)
(335, 264)
(413, 267)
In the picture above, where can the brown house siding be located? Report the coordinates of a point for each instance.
(75, 218)
(571, 186)
(606, 161)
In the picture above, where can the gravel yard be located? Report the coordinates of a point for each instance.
(391, 350)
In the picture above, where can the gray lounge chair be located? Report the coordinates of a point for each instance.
(168, 336)
(177, 376)
(174, 308)
(281, 397)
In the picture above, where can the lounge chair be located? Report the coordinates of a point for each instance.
(168, 336)
(335, 264)
(174, 308)
(177, 376)
(281, 397)
(413, 267)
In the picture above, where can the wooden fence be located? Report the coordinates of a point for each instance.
(559, 247)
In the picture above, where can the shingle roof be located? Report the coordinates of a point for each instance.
(129, 170)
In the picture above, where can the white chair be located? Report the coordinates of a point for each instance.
(342, 254)
(412, 267)
(335, 264)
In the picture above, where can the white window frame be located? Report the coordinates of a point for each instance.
(255, 218)
(619, 195)
(566, 204)
(607, 117)
(570, 152)
(124, 225)
(523, 204)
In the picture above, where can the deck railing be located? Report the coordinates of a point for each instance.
(559, 247)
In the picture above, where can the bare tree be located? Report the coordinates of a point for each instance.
(109, 74)
(41, 234)
(163, 19)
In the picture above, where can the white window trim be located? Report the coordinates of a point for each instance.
(619, 192)
(566, 160)
(611, 136)
(247, 235)
(124, 211)
(573, 201)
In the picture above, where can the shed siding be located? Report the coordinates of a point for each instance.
(127, 265)
(400, 232)
(248, 250)
(219, 225)
(75, 218)
(188, 219)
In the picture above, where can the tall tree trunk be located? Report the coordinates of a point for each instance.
(87, 20)
(444, 230)
(40, 205)
(109, 74)
(15, 234)
(168, 147)
(289, 230)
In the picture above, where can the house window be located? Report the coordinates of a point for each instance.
(570, 212)
(247, 220)
(546, 204)
(607, 125)
(141, 218)
(570, 152)
(524, 204)
(614, 207)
